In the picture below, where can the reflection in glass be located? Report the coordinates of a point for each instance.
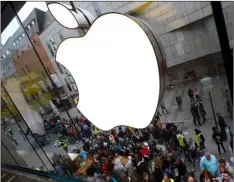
(46, 94)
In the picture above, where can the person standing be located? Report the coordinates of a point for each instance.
(183, 144)
(199, 139)
(209, 163)
(193, 148)
(64, 145)
(190, 94)
(163, 107)
(222, 125)
(179, 102)
(195, 113)
(197, 96)
(202, 111)
(218, 138)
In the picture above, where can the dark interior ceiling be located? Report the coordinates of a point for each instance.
(7, 14)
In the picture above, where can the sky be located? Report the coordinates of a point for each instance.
(23, 14)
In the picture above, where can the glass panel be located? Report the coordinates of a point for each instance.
(17, 86)
(15, 138)
(47, 94)
(8, 158)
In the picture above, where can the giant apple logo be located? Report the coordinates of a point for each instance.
(116, 70)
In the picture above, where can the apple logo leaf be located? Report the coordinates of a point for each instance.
(63, 15)
(116, 70)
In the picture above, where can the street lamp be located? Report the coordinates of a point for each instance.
(207, 86)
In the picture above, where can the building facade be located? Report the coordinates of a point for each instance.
(186, 30)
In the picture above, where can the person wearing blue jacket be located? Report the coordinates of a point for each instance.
(209, 163)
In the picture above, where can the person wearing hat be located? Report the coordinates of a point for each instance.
(222, 125)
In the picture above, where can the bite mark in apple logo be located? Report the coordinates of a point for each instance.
(116, 71)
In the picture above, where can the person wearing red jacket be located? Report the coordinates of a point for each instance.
(145, 150)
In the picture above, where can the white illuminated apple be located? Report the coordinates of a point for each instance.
(116, 71)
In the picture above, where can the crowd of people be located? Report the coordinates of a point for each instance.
(157, 153)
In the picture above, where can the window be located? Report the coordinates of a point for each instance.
(60, 35)
(59, 67)
(14, 44)
(73, 87)
(23, 35)
(32, 22)
(7, 52)
(4, 56)
(69, 80)
(50, 49)
(66, 72)
(20, 37)
(17, 41)
(29, 26)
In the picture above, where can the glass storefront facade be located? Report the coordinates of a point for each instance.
(42, 129)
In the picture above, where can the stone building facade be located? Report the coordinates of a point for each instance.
(186, 30)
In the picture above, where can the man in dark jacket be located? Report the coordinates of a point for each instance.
(179, 169)
(179, 102)
(218, 138)
(190, 94)
(222, 125)
(195, 113)
(142, 167)
(202, 111)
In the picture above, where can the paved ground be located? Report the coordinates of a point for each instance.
(217, 97)
(27, 152)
